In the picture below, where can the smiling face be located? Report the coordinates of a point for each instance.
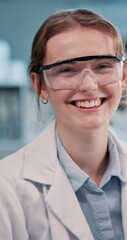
(90, 106)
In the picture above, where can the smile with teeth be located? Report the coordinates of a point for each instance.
(89, 104)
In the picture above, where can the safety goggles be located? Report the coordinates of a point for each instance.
(69, 74)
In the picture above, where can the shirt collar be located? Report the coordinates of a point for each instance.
(75, 174)
(78, 177)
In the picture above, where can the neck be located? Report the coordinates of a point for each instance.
(88, 149)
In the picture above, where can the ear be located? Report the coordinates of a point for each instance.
(125, 72)
(124, 83)
(39, 87)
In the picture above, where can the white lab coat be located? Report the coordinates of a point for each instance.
(37, 201)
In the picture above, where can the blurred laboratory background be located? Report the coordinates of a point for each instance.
(20, 121)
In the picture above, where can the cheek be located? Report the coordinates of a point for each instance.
(115, 89)
(59, 96)
(114, 92)
(118, 88)
(56, 99)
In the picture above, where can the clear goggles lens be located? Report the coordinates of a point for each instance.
(70, 74)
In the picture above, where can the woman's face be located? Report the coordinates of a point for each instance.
(90, 106)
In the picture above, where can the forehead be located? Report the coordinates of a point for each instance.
(80, 41)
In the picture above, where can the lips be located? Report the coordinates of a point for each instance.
(89, 103)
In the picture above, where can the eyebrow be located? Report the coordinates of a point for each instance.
(80, 59)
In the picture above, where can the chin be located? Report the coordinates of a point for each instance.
(92, 125)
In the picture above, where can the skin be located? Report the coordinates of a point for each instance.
(82, 131)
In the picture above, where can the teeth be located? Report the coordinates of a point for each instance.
(88, 104)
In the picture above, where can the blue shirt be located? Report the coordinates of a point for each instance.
(100, 205)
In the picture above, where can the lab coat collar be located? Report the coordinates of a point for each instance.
(41, 158)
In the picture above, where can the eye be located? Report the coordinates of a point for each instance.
(104, 66)
(66, 70)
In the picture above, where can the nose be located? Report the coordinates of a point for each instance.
(88, 83)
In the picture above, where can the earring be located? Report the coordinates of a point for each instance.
(45, 101)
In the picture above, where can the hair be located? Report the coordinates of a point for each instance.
(62, 21)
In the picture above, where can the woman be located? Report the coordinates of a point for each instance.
(71, 181)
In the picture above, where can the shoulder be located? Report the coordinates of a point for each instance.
(120, 144)
(13, 164)
(124, 146)
(21, 192)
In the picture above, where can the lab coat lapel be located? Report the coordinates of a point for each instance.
(62, 201)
